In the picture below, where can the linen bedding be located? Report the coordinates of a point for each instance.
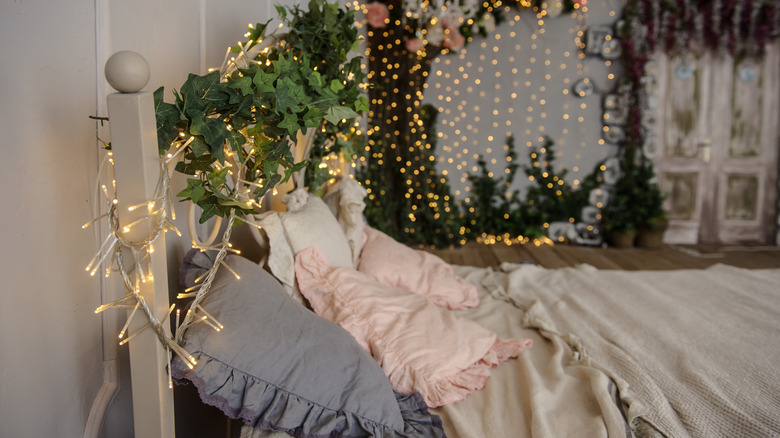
(689, 353)
(615, 354)
(693, 352)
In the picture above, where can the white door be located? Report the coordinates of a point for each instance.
(717, 155)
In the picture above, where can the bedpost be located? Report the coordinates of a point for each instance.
(136, 170)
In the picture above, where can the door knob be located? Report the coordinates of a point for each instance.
(705, 147)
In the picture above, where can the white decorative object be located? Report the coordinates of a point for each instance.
(591, 214)
(598, 197)
(583, 87)
(553, 8)
(747, 72)
(611, 48)
(613, 134)
(596, 37)
(611, 101)
(650, 145)
(562, 232)
(614, 117)
(611, 172)
(127, 72)
(589, 234)
(684, 71)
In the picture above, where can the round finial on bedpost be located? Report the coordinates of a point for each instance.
(127, 72)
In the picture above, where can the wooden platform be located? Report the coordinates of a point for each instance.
(664, 258)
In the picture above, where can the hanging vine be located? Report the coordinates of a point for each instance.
(240, 119)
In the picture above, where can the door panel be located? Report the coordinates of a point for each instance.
(681, 124)
(718, 120)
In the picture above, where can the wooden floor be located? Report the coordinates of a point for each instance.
(664, 258)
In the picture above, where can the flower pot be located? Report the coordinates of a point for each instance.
(621, 239)
(651, 236)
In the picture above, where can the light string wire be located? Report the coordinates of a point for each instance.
(192, 314)
(113, 249)
(113, 252)
(116, 245)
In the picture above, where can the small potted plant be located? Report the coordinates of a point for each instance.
(653, 220)
(620, 218)
(622, 213)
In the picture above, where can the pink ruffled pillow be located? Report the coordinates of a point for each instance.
(421, 347)
(390, 262)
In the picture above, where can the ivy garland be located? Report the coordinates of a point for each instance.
(233, 126)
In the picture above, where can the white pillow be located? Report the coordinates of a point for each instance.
(347, 201)
(305, 224)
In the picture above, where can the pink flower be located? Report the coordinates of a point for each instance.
(414, 44)
(376, 14)
(453, 39)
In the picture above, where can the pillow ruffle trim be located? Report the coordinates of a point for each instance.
(271, 408)
(452, 389)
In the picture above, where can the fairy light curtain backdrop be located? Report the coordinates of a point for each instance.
(530, 78)
(467, 92)
(490, 120)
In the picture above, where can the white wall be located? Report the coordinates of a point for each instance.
(50, 82)
(50, 354)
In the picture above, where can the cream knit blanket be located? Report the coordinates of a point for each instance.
(694, 352)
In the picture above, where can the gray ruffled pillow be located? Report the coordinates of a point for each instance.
(278, 366)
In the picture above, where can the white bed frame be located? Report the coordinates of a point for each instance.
(136, 170)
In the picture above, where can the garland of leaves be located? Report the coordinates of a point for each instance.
(233, 126)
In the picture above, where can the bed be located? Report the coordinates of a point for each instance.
(602, 353)
(534, 352)
(339, 330)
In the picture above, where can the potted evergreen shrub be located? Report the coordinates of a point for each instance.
(621, 215)
(635, 211)
(653, 220)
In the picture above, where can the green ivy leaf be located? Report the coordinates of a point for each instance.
(313, 117)
(244, 84)
(233, 202)
(194, 190)
(167, 116)
(264, 82)
(236, 140)
(203, 92)
(214, 133)
(290, 95)
(290, 123)
(315, 80)
(282, 66)
(355, 46)
(361, 104)
(336, 85)
(281, 11)
(192, 164)
(218, 177)
(336, 114)
(243, 116)
(200, 147)
(210, 208)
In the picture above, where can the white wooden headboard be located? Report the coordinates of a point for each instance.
(136, 170)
